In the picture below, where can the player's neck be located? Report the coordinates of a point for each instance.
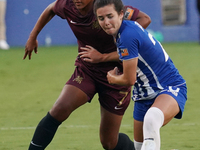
(87, 9)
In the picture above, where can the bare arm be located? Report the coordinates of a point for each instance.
(44, 18)
(93, 56)
(128, 77)
(143, 19)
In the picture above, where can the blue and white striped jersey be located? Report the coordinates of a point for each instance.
(155, 68)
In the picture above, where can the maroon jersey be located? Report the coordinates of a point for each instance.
(88, 32)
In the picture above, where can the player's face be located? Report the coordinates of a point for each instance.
(109, 19)
(83, 4)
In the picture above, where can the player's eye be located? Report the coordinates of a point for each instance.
(110, 16)
(100, 18)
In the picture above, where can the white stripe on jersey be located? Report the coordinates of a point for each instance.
(150, 93)
(145, 80)
(154, 75)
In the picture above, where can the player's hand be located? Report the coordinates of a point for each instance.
(30, 46)
(111, 75)
(90, 54)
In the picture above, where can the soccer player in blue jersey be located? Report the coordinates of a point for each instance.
(97, 55)
(159, 91)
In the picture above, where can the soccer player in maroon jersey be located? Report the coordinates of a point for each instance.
(97, 55)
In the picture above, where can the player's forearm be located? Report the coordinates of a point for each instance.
(121, 80)
(44, 18)
(113, 56)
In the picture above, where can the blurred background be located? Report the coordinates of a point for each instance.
(172, 21)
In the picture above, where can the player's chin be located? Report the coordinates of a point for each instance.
(109, 31)
(79, 6)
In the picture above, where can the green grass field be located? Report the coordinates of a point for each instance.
(29, 88)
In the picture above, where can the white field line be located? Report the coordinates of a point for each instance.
(88, 126)
(67, 126)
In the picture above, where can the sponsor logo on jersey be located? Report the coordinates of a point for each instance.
(124, 52)
(128, 14)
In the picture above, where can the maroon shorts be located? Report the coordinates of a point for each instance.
(113, 98)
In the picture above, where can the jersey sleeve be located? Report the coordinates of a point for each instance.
(131, 13)
(59, 8)
(129, 51)
(130, 41)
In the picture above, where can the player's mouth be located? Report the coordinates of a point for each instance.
(78, 3)
(108, 30)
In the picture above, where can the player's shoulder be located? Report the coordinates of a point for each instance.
(130, 13)
(130, 32)
(129, 26)
(65, 8)
(127, 31)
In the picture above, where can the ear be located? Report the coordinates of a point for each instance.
(121, 14)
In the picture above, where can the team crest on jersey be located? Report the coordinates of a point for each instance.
(95, 25)
(124, 52)
(128, 14)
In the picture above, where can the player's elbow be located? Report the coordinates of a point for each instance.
(148, 20)
(143, 19)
